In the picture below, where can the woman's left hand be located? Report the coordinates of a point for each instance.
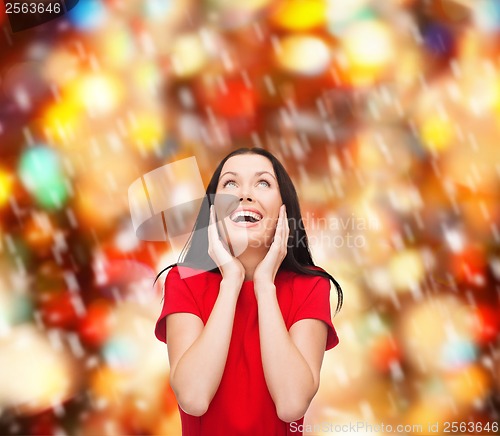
(267, 269)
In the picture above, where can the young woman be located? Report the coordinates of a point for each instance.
(246, 314)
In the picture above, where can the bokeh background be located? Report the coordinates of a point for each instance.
(385, 113)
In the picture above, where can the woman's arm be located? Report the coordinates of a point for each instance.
(291, 361)
(198, 354)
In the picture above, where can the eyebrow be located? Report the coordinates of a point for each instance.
(259, 173)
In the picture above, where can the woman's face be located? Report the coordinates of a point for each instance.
(251, 215)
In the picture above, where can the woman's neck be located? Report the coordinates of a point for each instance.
(250, 259)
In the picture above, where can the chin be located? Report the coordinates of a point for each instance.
(241, 245)
(256, 237)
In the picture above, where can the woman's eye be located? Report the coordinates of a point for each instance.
(229, 182)
(264, 183)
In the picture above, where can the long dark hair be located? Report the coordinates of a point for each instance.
(298, 257)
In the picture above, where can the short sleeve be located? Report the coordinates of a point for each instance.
(177, 298)
(316, 305)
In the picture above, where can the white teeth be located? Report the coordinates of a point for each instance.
(245, 213)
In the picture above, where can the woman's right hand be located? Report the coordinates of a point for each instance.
(229, 266)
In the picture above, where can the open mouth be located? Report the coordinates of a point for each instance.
(245, 216)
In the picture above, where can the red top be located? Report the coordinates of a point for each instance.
(242, 404)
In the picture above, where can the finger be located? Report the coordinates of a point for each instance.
(210, 219)
(212, 227)
(284, 229)
(287, 232)
(279, 224)
(278, 233)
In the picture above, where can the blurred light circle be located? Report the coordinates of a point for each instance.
(118, 278)
(34, 387)
(62, 121)
(480, 93)
(229, 15)
(379, 281)
(437, 133)
(60, 66)
(385, 353)
(169, 424)
(98, 202)
(125, 240)
(342, 10)
(20, 310)
(88, 15)
(188, 55)
(343, 14)
(147, 130)
(115, 46)
(369, 50)
(236, 100)
(108, 384)
(303, 54)
(438, 39)
(41, 174)
(427, 328)
(469, 264)
(146, 77)
(487, 15)
(407, 269)
(469, 386)
(456, 354)
(300, 15)
(120, 352)
(39, 233)
(487, 324)
(99, 93)
(59, 309)
(157, 9)
(404, 198)
(15, 307)
(6, 186)
(95, 325)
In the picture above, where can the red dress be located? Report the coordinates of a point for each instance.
(242, 405)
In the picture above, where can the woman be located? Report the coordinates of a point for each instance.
(246, 314)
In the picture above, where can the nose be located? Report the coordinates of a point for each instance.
(245, 194)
